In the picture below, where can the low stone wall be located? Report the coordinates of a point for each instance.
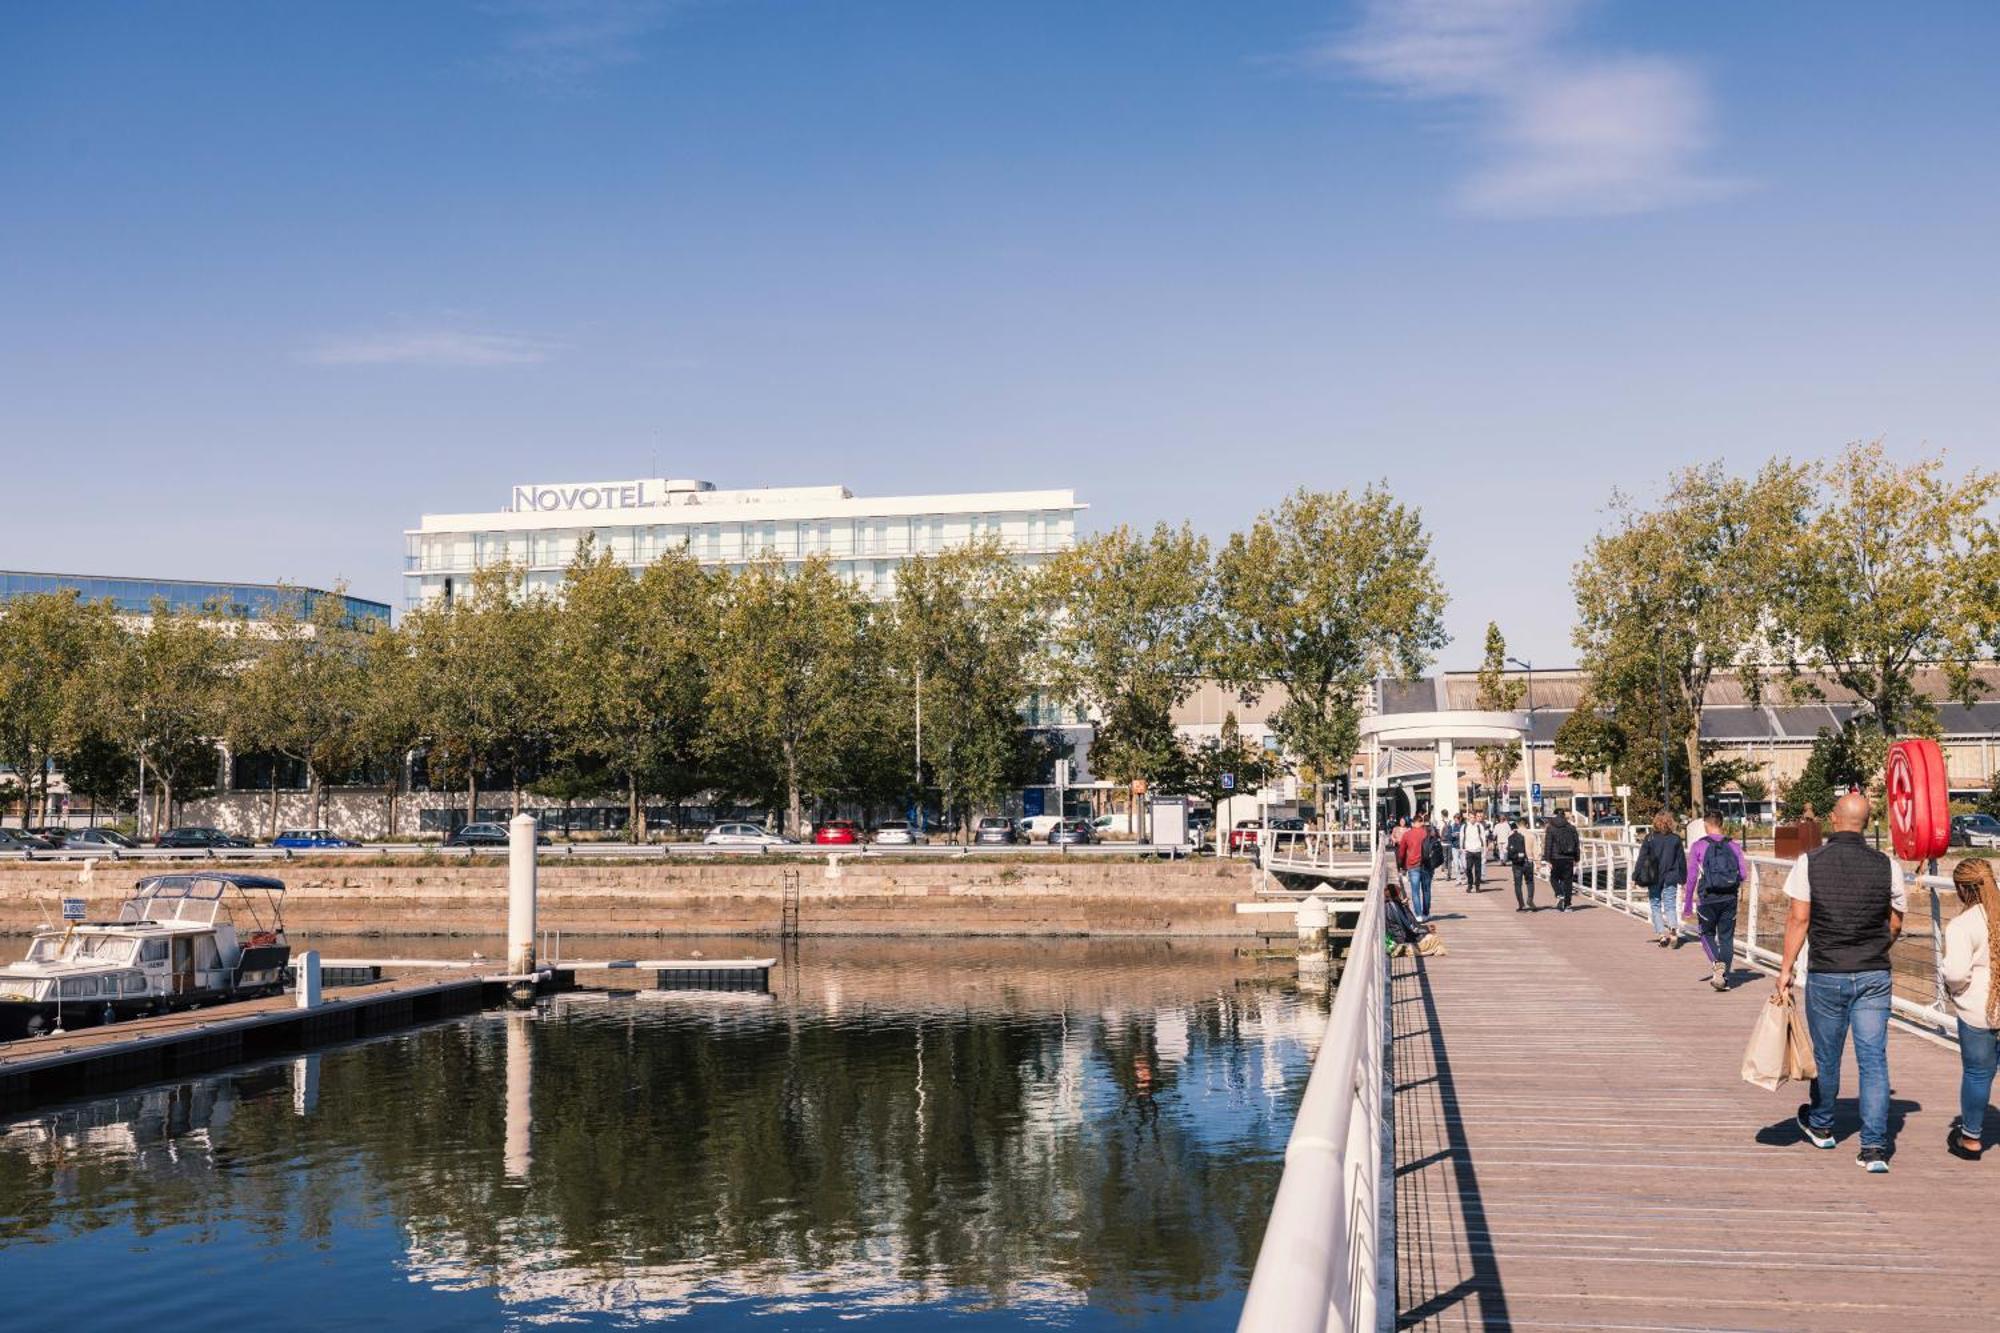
(962, 897)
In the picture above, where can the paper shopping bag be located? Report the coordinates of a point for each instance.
(1764, 1060)
(1800, 1063)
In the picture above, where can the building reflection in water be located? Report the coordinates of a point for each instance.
(1019, 1129)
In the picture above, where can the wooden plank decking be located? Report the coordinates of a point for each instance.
(1575, 1149)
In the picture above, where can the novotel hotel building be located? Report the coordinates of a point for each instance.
(639, 521)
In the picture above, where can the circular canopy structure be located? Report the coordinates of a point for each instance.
(1458, 727)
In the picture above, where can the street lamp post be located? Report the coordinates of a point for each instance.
(1533, 802)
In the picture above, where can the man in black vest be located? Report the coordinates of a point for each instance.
(1847, 908)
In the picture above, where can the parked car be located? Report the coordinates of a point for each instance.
(1034, 828)
(485, 835)
(995, 831)
(1071, 833)
(92, 838)
(1287, 831)
(745, 835)
(1244, 836)
(20, 840)
(311, 837)
(899, 833)
(1975, 831)
(837, 833)
(197, 836)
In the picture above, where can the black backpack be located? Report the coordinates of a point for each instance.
(1646, 870)
(1433, 850)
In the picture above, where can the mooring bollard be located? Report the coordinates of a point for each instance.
(307, 992)
(1313, 921)
(521, 872)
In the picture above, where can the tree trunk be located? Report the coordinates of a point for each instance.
(1695, 793)
(316, 787)
(472, 793)
(271, 817)
(793, 809)
(635, 815)
(389, 796)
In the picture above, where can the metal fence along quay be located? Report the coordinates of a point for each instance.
(1323, 1263)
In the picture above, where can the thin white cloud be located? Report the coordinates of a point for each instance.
(432, 347)
(560, 42)
(1559, 132)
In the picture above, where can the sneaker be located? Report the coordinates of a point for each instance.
(1817, 1138)
(1875, 1161)
(1719, 978)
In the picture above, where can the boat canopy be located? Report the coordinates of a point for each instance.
(200, 897)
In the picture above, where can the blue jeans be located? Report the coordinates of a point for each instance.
(1836, 1001)
(1664, 904)
(1419, 880)
(1976, 1051)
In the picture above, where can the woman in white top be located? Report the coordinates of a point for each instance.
(1970, 942)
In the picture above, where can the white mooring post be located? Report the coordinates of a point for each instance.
(1313, 921)
(521, 870)
(307, 991)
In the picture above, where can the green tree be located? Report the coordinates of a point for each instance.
(1896, 572)
(1989, 800)
(1319, 598)
(164, 697)
(630, 677)
(1497, 693)
(1218, 767)
(1687, 581)
(782, 684)
(479, 663)
(49, 643)
(1840, 761)
(961, 632)
(1131, 629)
(390, 721)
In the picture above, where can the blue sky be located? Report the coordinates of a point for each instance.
(276, 279)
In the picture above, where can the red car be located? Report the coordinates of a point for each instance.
(837, 833)
(1244, 836)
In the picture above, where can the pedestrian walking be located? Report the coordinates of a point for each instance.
(1523, 862)
(1969, 947)
(1716, 869)
(1661, 869)
(1451, 828)
(1561, 848)
(1473, 842)
(1847, 904)
(1411, 859)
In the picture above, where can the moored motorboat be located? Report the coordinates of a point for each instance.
(180, 941)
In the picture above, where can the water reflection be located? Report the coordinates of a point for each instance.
(1075, 1133)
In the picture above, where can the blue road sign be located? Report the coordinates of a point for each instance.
(1229, 782)
(1535, 793)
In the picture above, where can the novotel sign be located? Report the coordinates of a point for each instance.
(589, 495)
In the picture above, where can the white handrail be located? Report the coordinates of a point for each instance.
(1325, 1250)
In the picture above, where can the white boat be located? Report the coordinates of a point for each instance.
(179, 941)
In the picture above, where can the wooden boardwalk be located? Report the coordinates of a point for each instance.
(1576, 1150)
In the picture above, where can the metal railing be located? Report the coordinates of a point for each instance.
(606, 850)
(1605, 873)
(1315, 850)
(1327, 1250)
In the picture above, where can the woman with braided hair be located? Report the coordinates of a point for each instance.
(1971, 942)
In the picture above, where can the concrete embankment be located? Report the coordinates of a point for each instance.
(932, 896)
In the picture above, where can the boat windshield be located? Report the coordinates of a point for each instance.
(105, 949)
(45, 949)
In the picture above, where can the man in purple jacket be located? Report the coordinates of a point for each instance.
(1716, 870)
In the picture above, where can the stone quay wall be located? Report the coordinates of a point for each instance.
(955, 897)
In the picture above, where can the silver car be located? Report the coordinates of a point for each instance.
(745, 835)
(899, 833)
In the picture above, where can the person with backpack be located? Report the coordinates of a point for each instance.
(1562, 848)
(1716, 869)
(1524, 867)
(1660, 869)
(1448, 831)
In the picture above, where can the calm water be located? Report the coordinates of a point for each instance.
(912, 1134)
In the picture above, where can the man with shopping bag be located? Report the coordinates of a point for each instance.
(1780, 1049)
(1847, 904)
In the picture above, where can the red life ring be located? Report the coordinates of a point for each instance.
(1919, 803)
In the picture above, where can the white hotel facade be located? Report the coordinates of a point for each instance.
(866, 538)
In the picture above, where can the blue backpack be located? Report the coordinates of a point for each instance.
(1719, 874)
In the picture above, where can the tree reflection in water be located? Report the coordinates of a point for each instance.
(1076, 1133)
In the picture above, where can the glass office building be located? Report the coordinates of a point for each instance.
(639, 521)
(135, 597)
